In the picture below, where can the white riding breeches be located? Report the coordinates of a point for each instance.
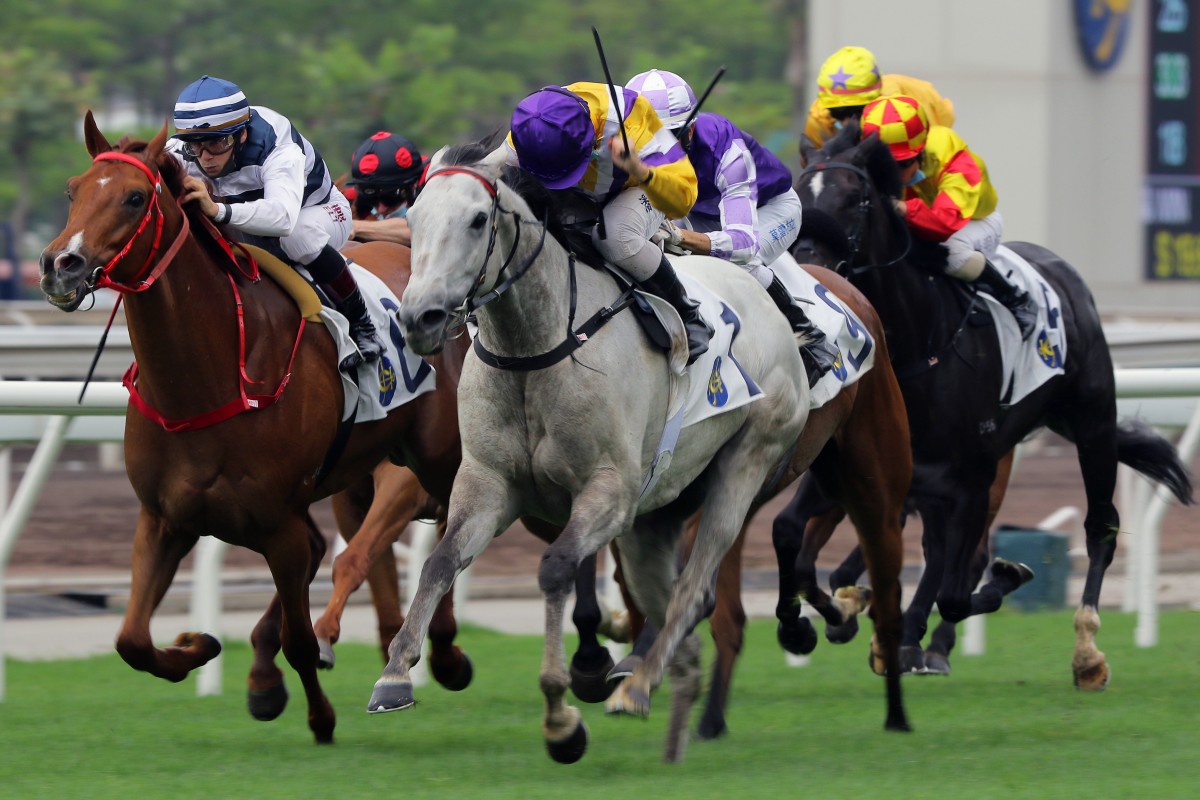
(629, 222)
(317, 226)
(978, 235)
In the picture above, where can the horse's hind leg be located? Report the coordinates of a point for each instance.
(156, 556)
(1096, 441)
(290, 557)
(728, 623)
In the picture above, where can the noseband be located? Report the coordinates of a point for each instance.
(101, 278)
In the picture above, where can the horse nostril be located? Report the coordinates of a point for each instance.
(64, 263)
(433, 320)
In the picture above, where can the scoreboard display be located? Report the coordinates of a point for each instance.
(1171, 197)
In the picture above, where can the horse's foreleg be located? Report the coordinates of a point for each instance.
(592, 662)
(480, 509)
(266, 693)
(599, 512)
(156, 556)
(292, 555)
(448, 664)
(798, 536)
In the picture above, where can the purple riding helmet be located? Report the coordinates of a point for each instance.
(553, 135)
(670, 95)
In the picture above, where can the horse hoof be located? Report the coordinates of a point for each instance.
(799, 639)
(267, 705)
(629, 699)
(623, 670)
(841, 634)
(391, 696)
(455, 680)
(1094, 678)
(570, 749)
(324, 654)
(1014, 570)
(592, 684)
(936, 663)
(708, 729)
(912, 660)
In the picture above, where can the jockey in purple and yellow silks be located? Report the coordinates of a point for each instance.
(947, 198)
(747, 211)
(850, 78)
(570, 138)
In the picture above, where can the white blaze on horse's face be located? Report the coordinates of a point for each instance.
(817, 185)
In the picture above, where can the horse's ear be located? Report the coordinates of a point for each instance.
(808, 149)
(92, 137)
(436, 161)
(155, 147)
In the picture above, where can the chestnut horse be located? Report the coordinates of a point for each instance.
(202, 332)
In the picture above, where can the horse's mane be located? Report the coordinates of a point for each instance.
(539, 199)
(169, 168)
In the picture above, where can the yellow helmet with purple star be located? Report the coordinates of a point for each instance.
(849, 77)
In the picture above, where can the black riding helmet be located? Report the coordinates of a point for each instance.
(387, 166)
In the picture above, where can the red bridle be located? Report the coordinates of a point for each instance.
(103, 274)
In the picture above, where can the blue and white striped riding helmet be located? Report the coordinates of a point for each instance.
(670, 95)
(210, 107)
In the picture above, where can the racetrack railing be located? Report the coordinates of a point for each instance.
(48, 412)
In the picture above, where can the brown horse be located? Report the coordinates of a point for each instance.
(201, 332)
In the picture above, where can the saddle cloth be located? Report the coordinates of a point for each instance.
(841, 326)
(1027, 364)
(398, 375)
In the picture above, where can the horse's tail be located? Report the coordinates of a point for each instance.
(1140, 447)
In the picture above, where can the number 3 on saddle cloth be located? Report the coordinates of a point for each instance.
(379, 386)
(1027, 364)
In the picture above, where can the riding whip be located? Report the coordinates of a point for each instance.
(696, 109)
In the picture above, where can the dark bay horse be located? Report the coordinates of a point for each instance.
(947, 356)
(202, 333)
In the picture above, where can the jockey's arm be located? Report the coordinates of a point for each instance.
(737, 181)
(283, 193)
(394, 230)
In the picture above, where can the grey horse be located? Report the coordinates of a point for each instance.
(572, 442)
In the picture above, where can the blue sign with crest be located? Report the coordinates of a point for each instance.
(1103, 26)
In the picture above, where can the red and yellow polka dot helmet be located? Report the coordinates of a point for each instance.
(900, 122)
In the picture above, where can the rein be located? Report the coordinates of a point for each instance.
(862, 216)
(575, 337)
(101, 279)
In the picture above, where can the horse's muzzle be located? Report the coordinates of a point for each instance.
(63, 279)
(424, 330)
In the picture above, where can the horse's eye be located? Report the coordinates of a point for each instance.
(479, 221)
(135, 200)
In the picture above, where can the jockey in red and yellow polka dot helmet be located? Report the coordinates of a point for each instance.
(850, 78)
(947, 197)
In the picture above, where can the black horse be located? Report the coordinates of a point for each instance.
(947, 357)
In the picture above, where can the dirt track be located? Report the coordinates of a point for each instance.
(85, 519)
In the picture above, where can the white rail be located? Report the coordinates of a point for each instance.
(53, 403)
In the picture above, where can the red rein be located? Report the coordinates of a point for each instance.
(244, 402)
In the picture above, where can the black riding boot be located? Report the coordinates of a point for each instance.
(1018, 301)
(329, 269)
(818, 355)
(665, 284)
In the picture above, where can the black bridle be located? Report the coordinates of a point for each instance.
(575, 336)
(862, 218)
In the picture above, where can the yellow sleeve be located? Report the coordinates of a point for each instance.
(673, 187)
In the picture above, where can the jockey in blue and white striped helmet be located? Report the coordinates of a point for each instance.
(209, 108)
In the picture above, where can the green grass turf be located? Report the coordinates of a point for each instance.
(1006, 725)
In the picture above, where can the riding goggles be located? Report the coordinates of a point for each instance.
(214, 147)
